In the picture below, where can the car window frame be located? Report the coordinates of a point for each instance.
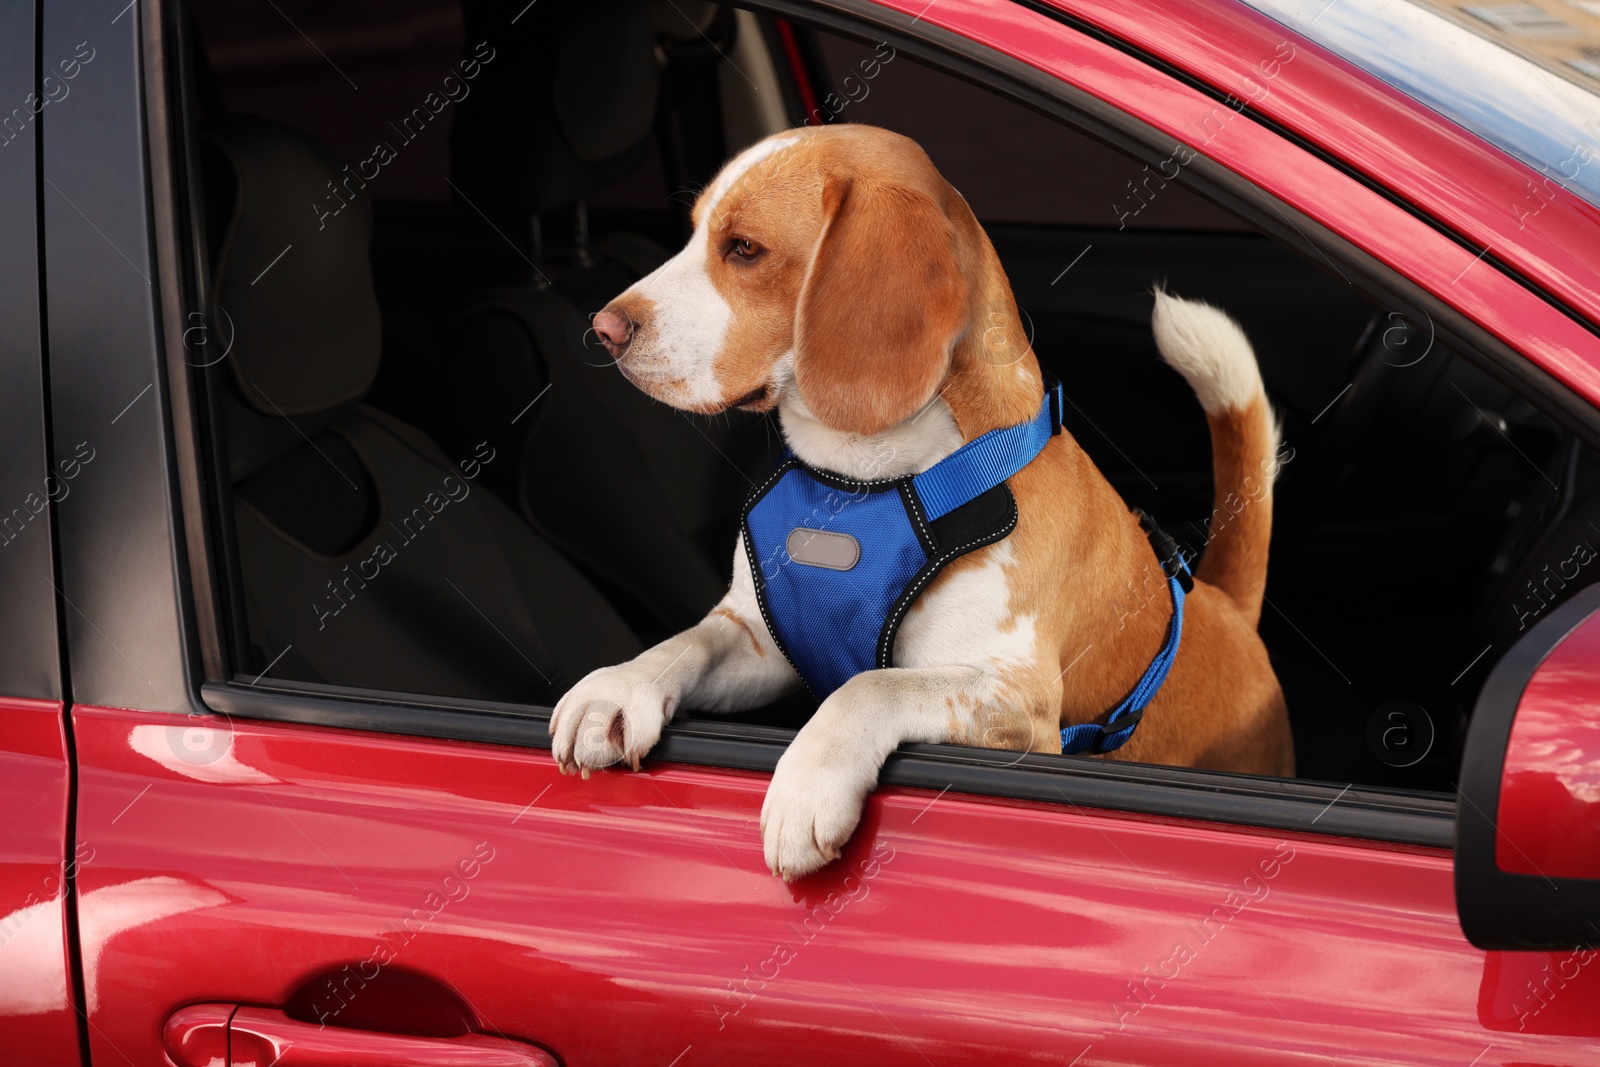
(1397, 816)
(1477, 213)
(31, 656)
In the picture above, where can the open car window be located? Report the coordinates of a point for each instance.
(432, 487)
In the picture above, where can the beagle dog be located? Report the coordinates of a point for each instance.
(835, 277)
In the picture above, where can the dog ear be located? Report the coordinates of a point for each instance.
(882, 304)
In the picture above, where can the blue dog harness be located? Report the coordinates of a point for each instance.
(837, 562)
(1118, 727)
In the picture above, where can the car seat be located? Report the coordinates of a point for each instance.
(367, 558)
(644, 497)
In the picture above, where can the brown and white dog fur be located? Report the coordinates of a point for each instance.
(835, 277)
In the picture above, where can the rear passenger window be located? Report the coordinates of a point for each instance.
(432, 482)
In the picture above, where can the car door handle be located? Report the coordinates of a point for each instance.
(224, 1035)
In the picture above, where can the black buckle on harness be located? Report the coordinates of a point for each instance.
(1127, 722)
(1053, 396)
(1166, 549)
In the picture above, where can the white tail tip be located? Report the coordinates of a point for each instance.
(1209, 349)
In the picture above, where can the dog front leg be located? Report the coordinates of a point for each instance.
(822, 780)
(725, 662)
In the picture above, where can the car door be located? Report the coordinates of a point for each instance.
(292, 873)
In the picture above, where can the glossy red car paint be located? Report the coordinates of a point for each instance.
(1497, 202)
(1542, 993)
(630, 918)
(37, 1016)
(197, 1035)
(1523, 320)
(1549, 818)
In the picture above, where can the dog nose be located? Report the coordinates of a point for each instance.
(614, 329)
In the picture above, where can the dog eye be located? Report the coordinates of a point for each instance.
(744, 248)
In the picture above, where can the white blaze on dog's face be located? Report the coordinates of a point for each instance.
(711, 323)
(804, 274)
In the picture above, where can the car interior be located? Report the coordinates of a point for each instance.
(431, 480)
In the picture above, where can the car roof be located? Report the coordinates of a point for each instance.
(1524, 78)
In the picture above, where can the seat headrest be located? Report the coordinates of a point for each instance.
(564, 107)
(291, 268)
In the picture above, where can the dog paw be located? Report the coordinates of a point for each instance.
(613, 714)
(811, 809)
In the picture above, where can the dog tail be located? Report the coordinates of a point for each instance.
(1214, 356)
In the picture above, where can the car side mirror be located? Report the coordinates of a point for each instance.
(1527, 853)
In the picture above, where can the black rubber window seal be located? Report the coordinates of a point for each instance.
(1284, 804)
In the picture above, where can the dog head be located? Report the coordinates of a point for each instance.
(835, 262)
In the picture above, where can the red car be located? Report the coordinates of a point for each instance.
(316, 496)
